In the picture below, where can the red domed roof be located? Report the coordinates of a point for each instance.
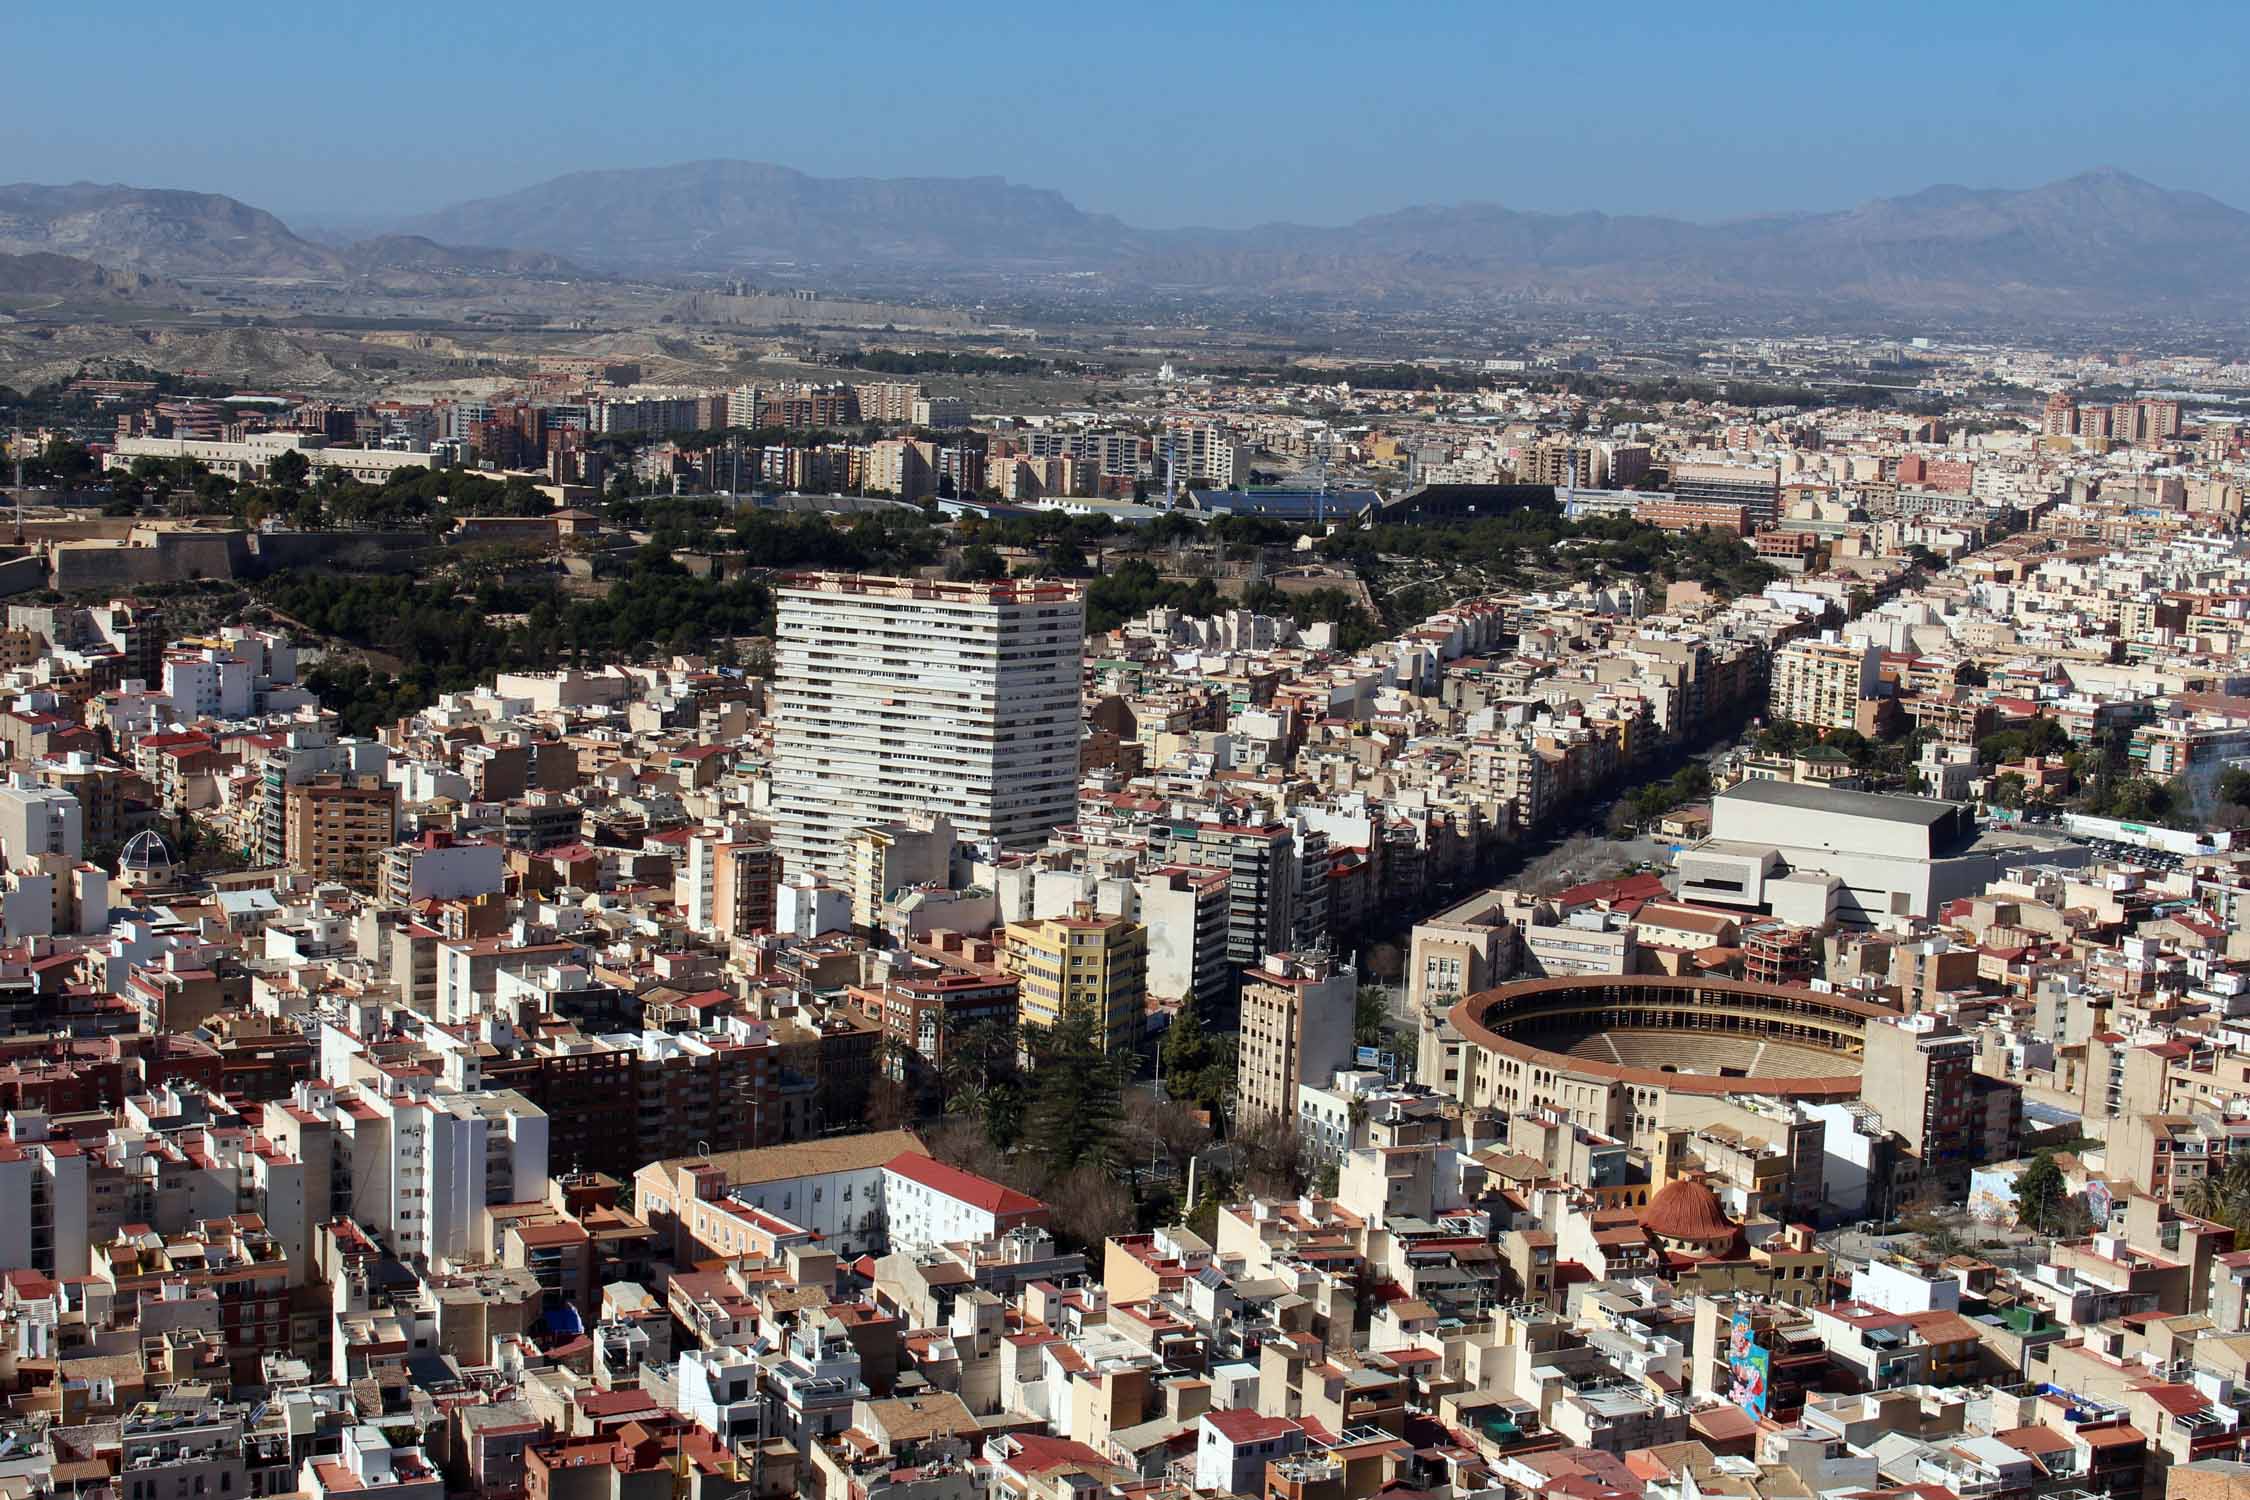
(1687, 1211)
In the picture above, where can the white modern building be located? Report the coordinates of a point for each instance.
(899, 698)
(930, 1203)
(1232, 1449)
(249, 458)
(46, 1182)
(39, 819)
(422, 1160)
(1813, 854)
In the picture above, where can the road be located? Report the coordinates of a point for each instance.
(1588, 819)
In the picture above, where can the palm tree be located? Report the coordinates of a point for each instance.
(2207, 1199)
(2238, 1176)
(977, 1057)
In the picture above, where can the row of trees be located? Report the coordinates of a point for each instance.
(1652, 800)
(1540, 537)
(940, 362)
(296, 493)
(2103, 782)
(1070, 1128)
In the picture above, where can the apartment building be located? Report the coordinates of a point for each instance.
(895, 856)
(887, 400)
(1920, 1077)
(438, 866)
(939, 413)
(38, 819)
(1206, 453)
(341, 827)
(1081, 965)
(726, 884)
(898, 698)
(1260, 863)
(1297, 1013)
(1826, 683)
(249, 459)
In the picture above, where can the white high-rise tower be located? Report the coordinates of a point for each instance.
(896, 697)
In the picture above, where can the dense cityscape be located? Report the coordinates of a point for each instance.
(883, 840)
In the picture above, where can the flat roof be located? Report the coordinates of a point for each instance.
(1924, 812)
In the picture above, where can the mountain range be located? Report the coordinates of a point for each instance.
(165, 232)
(2102, 241)
(2103, 235)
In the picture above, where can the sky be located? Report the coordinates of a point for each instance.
(1221, 114)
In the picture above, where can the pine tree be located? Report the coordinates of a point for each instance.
(1075, 1115)
(1187, 1047)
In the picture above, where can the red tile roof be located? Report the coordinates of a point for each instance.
(1241, 1425)
(968, 1187)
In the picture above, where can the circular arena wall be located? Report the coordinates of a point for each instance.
(1608, 1050)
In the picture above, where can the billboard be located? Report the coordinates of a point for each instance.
(1749, 1365)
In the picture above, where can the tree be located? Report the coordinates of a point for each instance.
(1849, 743)
(2207, 1199)
(983, 1080)
(289, 470)
(1203, 1215)
(2040, 1191)
(1163, 1130)
(977, 564)
(2007, 790)
(1075, 1111)
(1186, 1049)
(1089, 1206)
(1387, 961)
(2238, 1177)
(1198, 1068)
(1371, 1016)
(1273, 1157)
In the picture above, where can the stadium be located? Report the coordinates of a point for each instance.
(1607, 1049)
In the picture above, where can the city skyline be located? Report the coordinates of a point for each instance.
(1223, 117)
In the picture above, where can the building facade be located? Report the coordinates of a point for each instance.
(905, 697)
(1297, 1014)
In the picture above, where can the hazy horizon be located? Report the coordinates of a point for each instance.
(1166, 116)
(346, 221)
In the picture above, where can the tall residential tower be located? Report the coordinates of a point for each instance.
(896, 698)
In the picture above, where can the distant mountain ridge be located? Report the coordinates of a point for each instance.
(2102, 234)
(709, 215)
(2100, 241)
(170, 233)
(158, 230)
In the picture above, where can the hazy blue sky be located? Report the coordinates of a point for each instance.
(1164, 114)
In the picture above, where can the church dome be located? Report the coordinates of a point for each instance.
(1688, 1214)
